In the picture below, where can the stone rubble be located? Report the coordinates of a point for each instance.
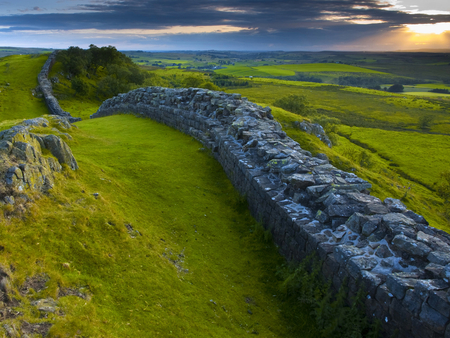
(23, 165)
(311, 206)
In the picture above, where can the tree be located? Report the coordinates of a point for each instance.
(75, 60)
(397, 88)
(192, 81)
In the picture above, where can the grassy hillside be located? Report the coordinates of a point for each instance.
(357, 106)
(163, 251)
(18, 79)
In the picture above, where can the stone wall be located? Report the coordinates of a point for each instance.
(311, 206)
(46, 87)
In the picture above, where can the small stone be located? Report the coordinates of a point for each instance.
(375, 208)
(344, 252)
(433, 318)
(439, 257)
(411, 246)
(394, 205)
(302, 181)
(368, 228)
(398, 286)
(383, 251)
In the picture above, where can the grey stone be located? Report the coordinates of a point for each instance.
(357, 264)
(343, 210)
(438, 301)
(433, 318)
(415, 217)
(411, 246)
(60, 150)
(375, 208)
(398, 286)
(355, 222)
(344, 252)
(383, 251)
(412, 302)
(395, 219)
(432, 241)
(439, 257)
(368, 228)
(290, 168)
(301, 181)
(394, 205)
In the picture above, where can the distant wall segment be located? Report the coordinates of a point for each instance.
(46, 88)
(311, 206)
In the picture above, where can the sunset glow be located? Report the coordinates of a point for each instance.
(437, 28)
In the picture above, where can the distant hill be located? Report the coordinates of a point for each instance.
(425, 50)
(5, 51)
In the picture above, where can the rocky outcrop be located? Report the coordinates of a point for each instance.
(314, 129)
(45, 87)
(311, 206)
(23, 165)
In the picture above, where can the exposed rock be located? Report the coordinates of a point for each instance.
(60, 150)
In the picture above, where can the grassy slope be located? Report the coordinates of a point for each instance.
(409, 149)
(139, 168)
(16, 100)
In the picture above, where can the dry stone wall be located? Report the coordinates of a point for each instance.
(46, 87)
(311, 206)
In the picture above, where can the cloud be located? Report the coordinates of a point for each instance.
(284, 24)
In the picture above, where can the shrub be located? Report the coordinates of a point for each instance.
(80, 87)
(426, 121)
(297, 104)
(397, 88)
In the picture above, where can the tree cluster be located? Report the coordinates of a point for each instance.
(118, 72)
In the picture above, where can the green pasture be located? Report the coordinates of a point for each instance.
(18, 79)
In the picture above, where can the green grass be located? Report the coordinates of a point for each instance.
(291, 69)
(433, 148)
(16, 99)
(328, 67)
(139, 169)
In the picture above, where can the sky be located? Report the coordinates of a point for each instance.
(260, 25)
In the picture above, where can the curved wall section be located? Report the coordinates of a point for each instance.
(311, 206)
(46, 88)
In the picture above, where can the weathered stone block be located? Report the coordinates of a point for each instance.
(411, 246)
(343, 253)
(433, 318)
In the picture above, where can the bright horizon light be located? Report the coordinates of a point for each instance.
(436, 28)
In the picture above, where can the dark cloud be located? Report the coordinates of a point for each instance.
(282, 21)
